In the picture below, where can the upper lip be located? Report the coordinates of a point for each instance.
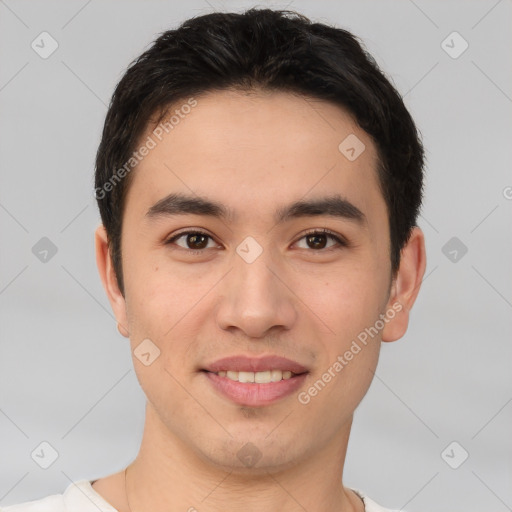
(243, 363)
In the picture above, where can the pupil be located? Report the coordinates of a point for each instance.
(193, 240)
(313, 239)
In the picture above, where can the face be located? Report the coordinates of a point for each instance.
(264, 279)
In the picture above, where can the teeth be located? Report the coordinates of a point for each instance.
(257, 377)
(263, 377)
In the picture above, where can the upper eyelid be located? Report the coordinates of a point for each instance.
(188, 232)
(177, 236)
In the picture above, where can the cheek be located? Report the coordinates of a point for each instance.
(155, 297)
(159, 310)
(347, 301)
(162, 305)
(349, 304)
(350, 307)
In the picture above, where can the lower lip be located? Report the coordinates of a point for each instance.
(252, 394)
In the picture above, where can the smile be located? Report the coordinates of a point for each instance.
(263, 377)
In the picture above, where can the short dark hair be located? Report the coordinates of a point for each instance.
(264, 49)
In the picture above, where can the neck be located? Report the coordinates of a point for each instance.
(169, 475)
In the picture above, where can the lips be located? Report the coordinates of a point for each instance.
(251, 364)
(252, 394)
(255, 381)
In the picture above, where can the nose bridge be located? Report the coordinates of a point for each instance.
(255, 284)
(255, 280)
(255, 300)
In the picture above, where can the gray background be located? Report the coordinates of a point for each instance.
(66, 375)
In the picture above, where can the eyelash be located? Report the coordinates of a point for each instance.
(341, 241)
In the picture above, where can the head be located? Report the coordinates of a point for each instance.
(226, 145)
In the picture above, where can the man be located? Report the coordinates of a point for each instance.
(259, 181)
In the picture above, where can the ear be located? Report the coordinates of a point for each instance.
(406, 285)
(109, 279)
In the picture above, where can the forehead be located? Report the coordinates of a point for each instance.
(251, 151)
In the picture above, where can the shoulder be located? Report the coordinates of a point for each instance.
(53, 503)
(370, 505)
(78, 497)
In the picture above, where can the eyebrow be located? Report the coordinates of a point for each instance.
(331, 206)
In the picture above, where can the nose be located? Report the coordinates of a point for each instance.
(256, 299)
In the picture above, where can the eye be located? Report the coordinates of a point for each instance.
(193, 241)
(317, 239)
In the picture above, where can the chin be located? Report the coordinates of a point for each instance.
(251, 454)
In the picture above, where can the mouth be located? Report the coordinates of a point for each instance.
(266, 367)
(255, 382)
(263, 377)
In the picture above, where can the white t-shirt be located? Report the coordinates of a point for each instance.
(81, 497)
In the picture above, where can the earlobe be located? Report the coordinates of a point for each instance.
(406, 286)
(122, 330)
(109, 280)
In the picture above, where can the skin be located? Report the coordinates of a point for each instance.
(253, 153)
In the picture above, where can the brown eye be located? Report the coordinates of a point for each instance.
(319, 239)
(316, 241)
(197, 241)
(193, 241)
